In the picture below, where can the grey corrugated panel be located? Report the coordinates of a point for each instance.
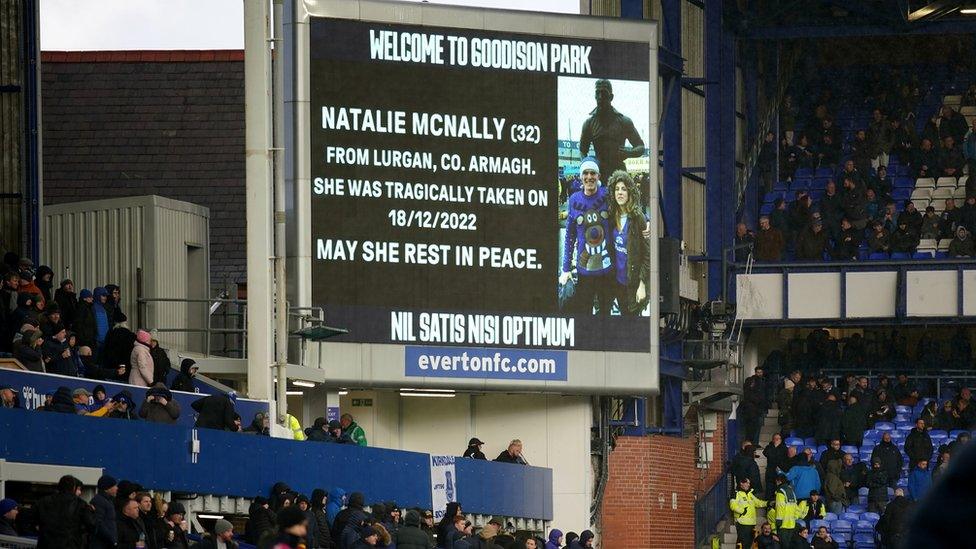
(107, 241)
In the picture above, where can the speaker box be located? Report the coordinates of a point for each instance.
(669, 254)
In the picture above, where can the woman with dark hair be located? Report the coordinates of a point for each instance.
(632, 249)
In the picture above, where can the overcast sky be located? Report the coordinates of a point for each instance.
(182, 24)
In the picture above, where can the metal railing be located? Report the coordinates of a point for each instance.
(208, 329)
(724, 353)
(710, 509)
(14, 542)
(945, 382)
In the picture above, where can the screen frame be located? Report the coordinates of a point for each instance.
(375, 365)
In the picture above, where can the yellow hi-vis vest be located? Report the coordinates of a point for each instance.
(743, 507)
(786, 507)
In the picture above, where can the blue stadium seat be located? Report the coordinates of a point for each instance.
(810, 442)
(817, 523)
(841, 527)
(902, 482)
(871, 517)
(884, 426)
(877, 256)
(830, 517)
(923, 255)
(819, 184)
(956, 432)
(771, 197)
(850, 517)
(766, 209)
(864, 541)
(823, 172)
(901, 194)
(801, 184)
(781, 186)
(849, 450)
(902, 409)
(863, 526)
(903, 417)
(856, 508)
(903, 183)
(901, 255)
(872, 434)
(906, 427)
(941, 255)
(794, 441)
(804, 172)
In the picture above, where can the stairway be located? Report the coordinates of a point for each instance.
(770, 426)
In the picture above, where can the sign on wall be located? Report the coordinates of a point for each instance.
(443, 484)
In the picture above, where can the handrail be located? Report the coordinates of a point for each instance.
(710, 509)
(778, 265)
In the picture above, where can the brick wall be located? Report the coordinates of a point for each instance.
(645, 474)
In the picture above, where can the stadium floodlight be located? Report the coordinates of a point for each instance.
(294, 393)
(300, 383)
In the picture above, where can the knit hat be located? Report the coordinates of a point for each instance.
(143, 337)
(357, 500)
(106, 482)
(99, 292)
(222, 526)
(85, 294)
(589, 163)
(175, 508)
(290, 516)
(7, 505)
(412, 518)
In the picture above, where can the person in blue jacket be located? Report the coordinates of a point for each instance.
(919, 480)
(804, 477)
(337, 497)
(103, 322)
(588, 242)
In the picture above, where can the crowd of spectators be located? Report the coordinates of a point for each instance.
(837, 198)
(123, 515)
(852, 458)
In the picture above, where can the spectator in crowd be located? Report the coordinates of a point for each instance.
(44, 280)
(67, 301)
(811, 243)
(104, 535)
(962, 245)
(103, 322)
(947, 418)
(804, 409)
(149, 518)
(813, 507)
(834, 490)
(352, 429)
(887, 453)
(216, 412)
(173, 527)
(953, 124)
(931, 224)
(57, 355)
(918, 444)
(831, 453)
(160, 406)
(752, 409)
(854, 421)
(880, 138)
(882, 408)
(184, 380)
(784, 400)
(877, 486)
(803, 475)
(967, 213)
(829, 421)
(800, 213)
(123, 406)
(8, 517)
(919, 480)
(337, 498)
(894, 521)
(555, 539)
(352, 517)
(853, 203)
(512, 454)
(114, 304)
(223, 534)
(969, 152)
(950, 219)
(786, 508)
(318, 432)
(260, 425)
(854, 477)
(744, 239)
(9, 283)
(776, 458)
(769, 242)
(49, 321)
(142, 370)
(744, 506)
(822, 539)
(951, 158)
(474, 449)
(161, 364)
(778, 218)
(9, 397)
(64, 519)
(297, 433)
(319, 521)
(260, 521)
(336, 435)
(410, 536)
(872, 205)
(929, 413)
(926, 161)
(28, 351)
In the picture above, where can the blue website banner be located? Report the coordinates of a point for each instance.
(485, 363)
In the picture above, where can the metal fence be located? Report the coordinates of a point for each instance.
(944, 384)
(710, 509)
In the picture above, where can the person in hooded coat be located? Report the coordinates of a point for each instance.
(893, 526)
(160, 406)
(260, 521)
(62, 402)
(113, 305)
(890, 457)
(161, 364)
(918, 444)
(555, 539)
(317, 432)
(83, 324)
(446, 526)
(184, 380)
(29, 351)
(67, 300)
(140, 359)
(585, 540)
(64, 520)
(319, 521)
(216, 412)
(334, 506)
(103, 321)
(853, 422)
(125, 406)
(44, 280)
(410, 536)
(349, 518)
